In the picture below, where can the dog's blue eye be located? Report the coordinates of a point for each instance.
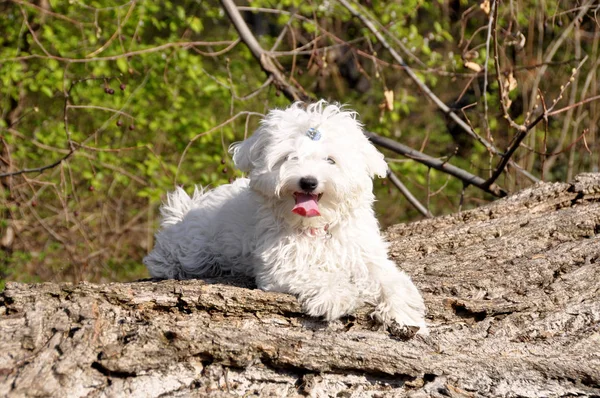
(330, 160)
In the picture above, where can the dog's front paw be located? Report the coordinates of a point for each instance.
(401, 317)
(328, 305)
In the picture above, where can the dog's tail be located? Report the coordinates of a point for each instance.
(178, 204)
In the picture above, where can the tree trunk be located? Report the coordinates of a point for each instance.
(512, 291)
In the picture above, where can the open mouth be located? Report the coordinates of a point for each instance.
(307, 204)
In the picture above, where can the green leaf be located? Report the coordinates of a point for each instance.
(46, 90)
(122, 65)
(196, 25)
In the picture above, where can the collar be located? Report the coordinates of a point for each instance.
(312, 232)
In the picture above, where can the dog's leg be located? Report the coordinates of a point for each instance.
(323, 294)
(399, 299)
(329, 295)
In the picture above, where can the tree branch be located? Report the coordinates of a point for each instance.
(409, 196)
(161, 47)
(293, 95)
(412, 75)
(465, 176)
(524, 129)
(262, 56)
(38, 169)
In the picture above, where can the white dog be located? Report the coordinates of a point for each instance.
(301, 223)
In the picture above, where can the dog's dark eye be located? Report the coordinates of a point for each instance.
(330, 160)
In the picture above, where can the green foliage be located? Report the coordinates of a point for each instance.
(143, 110)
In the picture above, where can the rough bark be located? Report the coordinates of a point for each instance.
(512, 291)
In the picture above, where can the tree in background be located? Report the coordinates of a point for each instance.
(105, 106)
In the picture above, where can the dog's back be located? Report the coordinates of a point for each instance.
(206, 234)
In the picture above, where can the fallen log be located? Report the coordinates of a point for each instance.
(512, 291)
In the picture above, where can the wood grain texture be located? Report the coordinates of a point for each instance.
(512, 290)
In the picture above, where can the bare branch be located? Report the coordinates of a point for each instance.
(409, 196)
(38, 169)
(102, 108)
(225, 123)
(575, 105)
(558, 42)
(115, 34)
(518, 139)
(45, 11)
(184, 44)
(422, 86)
(466, 177)
(217, 53)
(491, 27)
(266, 61)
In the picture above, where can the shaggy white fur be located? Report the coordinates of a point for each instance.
(301, 223)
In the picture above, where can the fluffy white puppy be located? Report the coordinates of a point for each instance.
(301, 223)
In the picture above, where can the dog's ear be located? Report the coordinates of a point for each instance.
(245, 153)
(376, 164)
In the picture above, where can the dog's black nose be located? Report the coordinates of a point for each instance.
(308, 184)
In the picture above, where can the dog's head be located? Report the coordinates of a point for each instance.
(311, 161)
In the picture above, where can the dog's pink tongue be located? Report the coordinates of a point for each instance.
(306, 205)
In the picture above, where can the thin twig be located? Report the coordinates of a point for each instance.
(491, 24)
(53, 14)
(581, 137)
(38, 169)
(524, 129)
(32, 32)
(575, 105)
(223, 124)
(124, 55)
(102, 108)
(565, 31)
(409, 196)
(71, 144)
(115, 34)
(257, 91)
(217, 53)
(412, 75)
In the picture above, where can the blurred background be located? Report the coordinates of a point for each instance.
(106, 105)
